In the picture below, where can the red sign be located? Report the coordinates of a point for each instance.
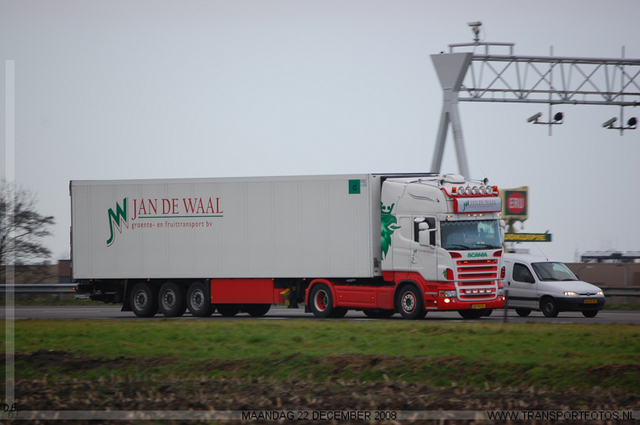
(516, 203)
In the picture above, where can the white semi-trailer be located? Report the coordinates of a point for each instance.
(378, 243)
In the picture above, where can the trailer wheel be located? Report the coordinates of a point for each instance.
(257, 310)
(171, 300)
(471, 314)
(197, 301)
(549, 307)
(144, 300)
(411, 306)
(229, 310)
(321, 301)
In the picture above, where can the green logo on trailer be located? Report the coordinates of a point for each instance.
(117, 218)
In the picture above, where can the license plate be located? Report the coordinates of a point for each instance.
(477, 306)
(591, 301)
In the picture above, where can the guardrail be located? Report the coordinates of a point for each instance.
(621, 291)
(41, 288)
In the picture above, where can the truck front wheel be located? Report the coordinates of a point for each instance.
(321, 301)
(197, 301)
(411, 306)
(171, 300)
(471, 314)
(144, 300)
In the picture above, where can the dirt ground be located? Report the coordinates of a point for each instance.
(221, 394)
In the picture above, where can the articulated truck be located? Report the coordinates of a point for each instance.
(377, 243)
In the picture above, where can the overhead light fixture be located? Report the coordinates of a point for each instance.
(632, 124)
(557, 119)
(534, 119)
(475, 27)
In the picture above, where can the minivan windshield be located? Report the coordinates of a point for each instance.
(553, 271)
(471, 234)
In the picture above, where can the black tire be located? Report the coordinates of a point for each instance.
(321, 301)
(339, 312)
(487, 312)
(410, 303)
(197, 301)
(523, 312)
(171, 300)
(257, 310)
(229, 310)
(378, 313)
(549, 307)
(471, 314)
(144, 300)
(590, 313)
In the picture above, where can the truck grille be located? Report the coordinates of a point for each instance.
(477, 269)
(477, 291)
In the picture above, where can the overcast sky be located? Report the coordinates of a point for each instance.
(179, 89)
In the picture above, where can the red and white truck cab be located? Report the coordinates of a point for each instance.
(445, 238)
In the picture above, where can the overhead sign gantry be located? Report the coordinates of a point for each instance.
(551, 80)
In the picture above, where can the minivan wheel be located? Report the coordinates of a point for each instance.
(523, 312)
(549, 307)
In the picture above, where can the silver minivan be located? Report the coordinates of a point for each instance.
(536, 283)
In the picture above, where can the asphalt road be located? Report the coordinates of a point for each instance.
(107, 312)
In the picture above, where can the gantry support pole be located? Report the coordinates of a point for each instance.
(451, 69)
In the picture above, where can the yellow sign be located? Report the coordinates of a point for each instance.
(527, 237)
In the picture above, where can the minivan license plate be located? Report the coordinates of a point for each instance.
(591, 301)
(477, 306)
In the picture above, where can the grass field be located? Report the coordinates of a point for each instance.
(544, 355)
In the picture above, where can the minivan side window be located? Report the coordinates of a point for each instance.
(521, 273)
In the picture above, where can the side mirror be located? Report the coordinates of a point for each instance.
(424, 235)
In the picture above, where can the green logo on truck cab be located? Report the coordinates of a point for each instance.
(388, 227)
(118, 218)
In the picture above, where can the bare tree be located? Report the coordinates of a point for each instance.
(22, 228)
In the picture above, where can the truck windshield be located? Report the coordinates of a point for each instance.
(553, 272)
(470, 235)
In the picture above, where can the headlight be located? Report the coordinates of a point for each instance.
(448, 294)
(570, 294)
(600, 294)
